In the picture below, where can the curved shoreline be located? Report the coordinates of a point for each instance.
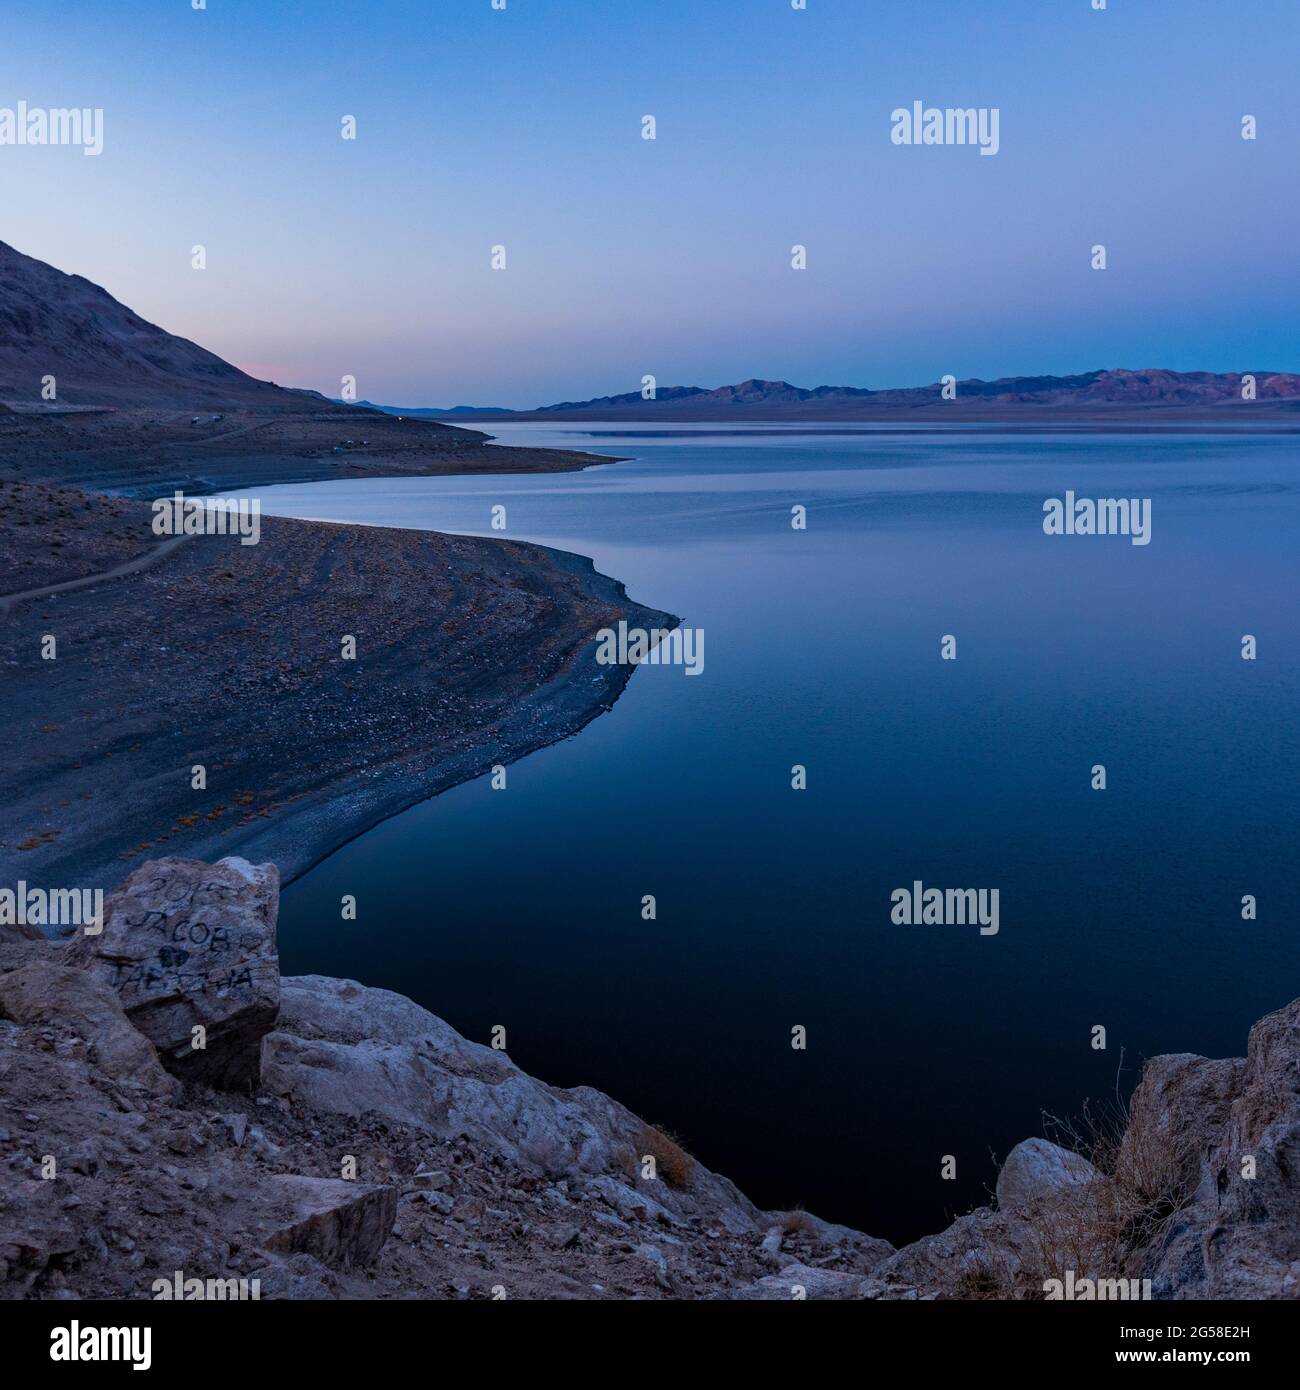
(558, 710)
(471, 652)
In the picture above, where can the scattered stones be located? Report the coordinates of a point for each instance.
(34, 1233)
(655, 1258)
(439, 1201)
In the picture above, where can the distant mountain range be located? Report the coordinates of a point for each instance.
(101, 353)
(1097, 393)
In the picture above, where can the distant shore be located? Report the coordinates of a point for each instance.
(149, 453)
(952, 418)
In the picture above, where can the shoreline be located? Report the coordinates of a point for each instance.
(471, 652)
(146, 454)
(556, 711)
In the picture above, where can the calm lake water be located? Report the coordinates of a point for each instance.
(1119, 908)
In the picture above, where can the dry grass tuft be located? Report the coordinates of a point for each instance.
(672, 1163)
(1149, 1174)
(797, 1223)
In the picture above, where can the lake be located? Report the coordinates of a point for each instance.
(1118, 908)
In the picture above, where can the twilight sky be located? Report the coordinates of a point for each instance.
(522, 127)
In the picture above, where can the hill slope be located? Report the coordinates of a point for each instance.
(102, 353)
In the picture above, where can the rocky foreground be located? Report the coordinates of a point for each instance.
(169, 1103)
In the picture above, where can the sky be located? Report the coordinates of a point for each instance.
(522, 127)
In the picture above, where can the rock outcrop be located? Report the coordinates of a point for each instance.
(339, 1223)
(1239, 1234)
(331, 1140)
(190, 950)
(376, 1153)
(343, 1049)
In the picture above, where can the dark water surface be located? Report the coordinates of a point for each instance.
(1120, 908)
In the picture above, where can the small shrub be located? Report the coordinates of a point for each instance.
(672, 1163)
(797, 1223)
(980, 1284)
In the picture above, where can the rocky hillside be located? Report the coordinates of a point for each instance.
(139, 411)
(170, 1103)
(102, 353)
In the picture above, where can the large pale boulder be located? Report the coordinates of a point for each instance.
(191, 946)
(342, 1048)
(1037, 1170)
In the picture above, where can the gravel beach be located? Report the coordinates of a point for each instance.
(469, 653)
